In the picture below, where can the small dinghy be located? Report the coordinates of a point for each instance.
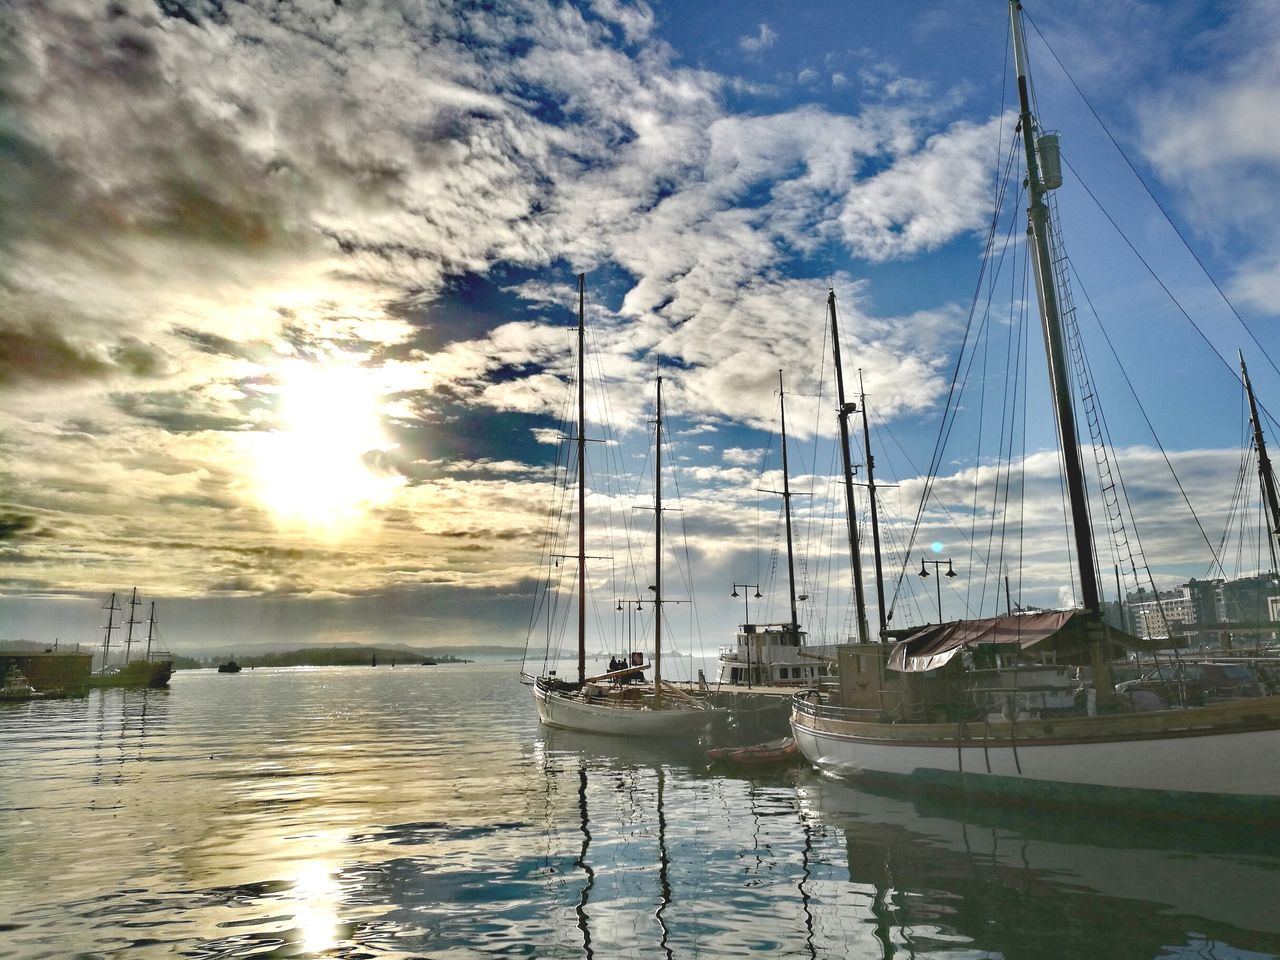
(775, 751)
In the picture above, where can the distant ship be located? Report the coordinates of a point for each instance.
(229, 667)
(152, 669)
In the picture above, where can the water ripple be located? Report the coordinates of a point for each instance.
(421, 812)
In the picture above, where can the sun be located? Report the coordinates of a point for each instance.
(313, 468)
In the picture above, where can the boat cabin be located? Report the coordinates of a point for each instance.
(769, 654)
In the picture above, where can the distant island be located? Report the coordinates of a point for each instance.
(254, 652)
(345, 656)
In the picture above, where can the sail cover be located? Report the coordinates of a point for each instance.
(934, 646)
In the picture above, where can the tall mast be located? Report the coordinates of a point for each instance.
(875, 512)
(151, 623)
(1264, 462)
(1038, 229)
(582, 481)
(133, 609)
(844, 409)
(111, 607)
(657, 555)
(786, 503)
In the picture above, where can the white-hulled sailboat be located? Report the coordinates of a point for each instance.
(917, 711)
(606, 703)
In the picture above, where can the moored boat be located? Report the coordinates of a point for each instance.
(773, 654)
(782, 750)
(17, 688)
(1024, 706)
(605, 703)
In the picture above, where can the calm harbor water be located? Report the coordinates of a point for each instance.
(422, 812)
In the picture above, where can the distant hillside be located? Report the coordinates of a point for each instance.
(257, 651)
(344, 656)
(256, 647)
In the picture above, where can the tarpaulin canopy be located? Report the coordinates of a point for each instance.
(934, 646)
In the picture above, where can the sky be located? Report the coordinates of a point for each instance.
(287, 301)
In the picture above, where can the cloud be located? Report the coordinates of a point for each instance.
(925, 199)
(191, 202)
(41, 353)
(636, 20)
(1204, 135)
(763, 39)
(742, 458)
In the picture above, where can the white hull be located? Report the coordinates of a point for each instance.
(614, 718)
(1222, 751)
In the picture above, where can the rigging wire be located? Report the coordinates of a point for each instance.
(1155, 200)
(1150, 426)
(951, 408)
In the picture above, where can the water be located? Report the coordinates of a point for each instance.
(421, 812)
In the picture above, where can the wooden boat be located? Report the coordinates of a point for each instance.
(782, 750)
(604, 704)
(919, 711)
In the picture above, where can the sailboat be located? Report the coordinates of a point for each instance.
(152, 669)
(605, 703)
(924, 711)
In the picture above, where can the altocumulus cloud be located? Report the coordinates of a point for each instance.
(195, 193)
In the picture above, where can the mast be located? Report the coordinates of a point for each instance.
(151, 622)
(1038, 229)
(133, 609)
(875, 511)
(111, 607)
(786, 503)
(657, 555)
(1264, 462)
(844, 409)
(582, 482)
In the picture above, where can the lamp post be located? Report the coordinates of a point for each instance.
(746, 617)
(924, 573)
(631, 619)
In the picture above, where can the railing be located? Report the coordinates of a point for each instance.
(806, 704)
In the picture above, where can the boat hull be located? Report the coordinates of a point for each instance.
(136, 673)
(571, 712)
(1228, 753)
(775, 751)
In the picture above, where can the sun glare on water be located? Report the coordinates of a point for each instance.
(313, 469)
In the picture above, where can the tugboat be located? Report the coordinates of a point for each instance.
(16, 687)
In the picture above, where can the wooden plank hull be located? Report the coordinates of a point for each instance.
(1222, 751)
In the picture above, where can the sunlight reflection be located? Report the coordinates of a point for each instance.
(313, 470)
(315, 913)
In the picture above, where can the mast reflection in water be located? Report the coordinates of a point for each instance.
(378, 813)
(582, 863)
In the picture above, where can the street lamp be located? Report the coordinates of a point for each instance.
(924, 573)
(746, 617)
(746, 614)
